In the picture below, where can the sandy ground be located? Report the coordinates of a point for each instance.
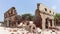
(4, 30)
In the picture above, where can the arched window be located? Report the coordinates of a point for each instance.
(45, 9)
(49, 11)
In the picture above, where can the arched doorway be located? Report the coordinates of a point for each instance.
(46, 23)
(50, 22)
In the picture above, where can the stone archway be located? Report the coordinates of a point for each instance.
(48, 23)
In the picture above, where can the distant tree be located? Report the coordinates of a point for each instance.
(25, 15)
(57, 19)
(57, 16)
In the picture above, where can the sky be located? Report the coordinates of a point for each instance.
(26, 6)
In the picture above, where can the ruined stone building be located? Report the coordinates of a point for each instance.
(11, 19)
(44, 16)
